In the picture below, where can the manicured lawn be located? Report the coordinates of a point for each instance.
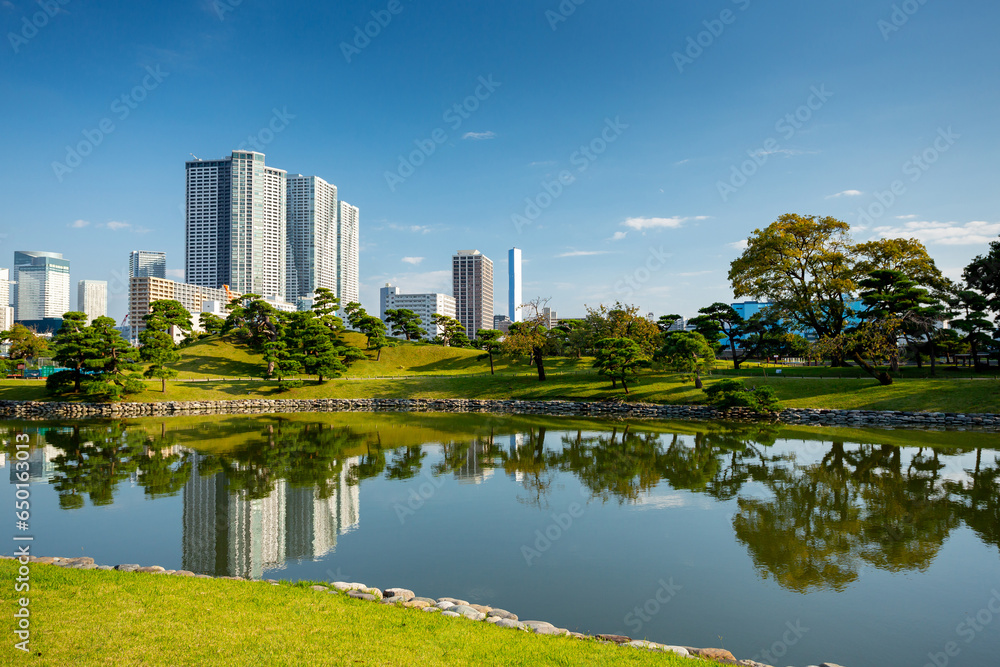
(113, 618)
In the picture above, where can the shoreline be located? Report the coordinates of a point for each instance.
(48, 410)
(402, 597)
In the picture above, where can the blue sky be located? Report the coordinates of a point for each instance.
(639, 141)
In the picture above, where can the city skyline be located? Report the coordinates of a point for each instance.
(710, 126)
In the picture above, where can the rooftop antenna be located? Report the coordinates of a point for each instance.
(195, 157)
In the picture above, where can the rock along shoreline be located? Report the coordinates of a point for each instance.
(43, 410)
(403, 597)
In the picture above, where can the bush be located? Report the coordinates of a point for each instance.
(727, 394)
(288, 385)
(60, 382)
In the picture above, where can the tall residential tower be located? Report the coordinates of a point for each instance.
(311, 231)
(472, 287)
(142, 263)
(92, 298)
(348, 284)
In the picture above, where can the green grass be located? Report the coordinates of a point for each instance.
(113, 618)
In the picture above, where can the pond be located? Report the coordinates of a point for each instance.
(786, 545)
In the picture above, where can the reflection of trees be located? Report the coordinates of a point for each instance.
(853, 507)
(978, 499)
(531, 463)
(94, 459)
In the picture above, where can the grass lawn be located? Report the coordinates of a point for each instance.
(114, 618)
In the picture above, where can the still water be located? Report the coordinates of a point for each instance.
(786, 545)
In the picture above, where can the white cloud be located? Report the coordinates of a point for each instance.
(416, 229)
(677, 164)
(583, 253)
(177, 274)
(115, 225)
(943, 233)
(906, 217)
(79, 224)
(846, 193)
(739, 245)
(642, 224)
(618, 236)
(413, 260)
(479, 135)
(692, 274)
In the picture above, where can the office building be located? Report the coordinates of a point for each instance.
(348, 285)
(42, 291)
(6, 311)
(424, 305)
(472, 287)
(142, 263)
(514, 297)
(143, 291)
(311, 233)
(501, 323)
(235, 224)
(92, 298)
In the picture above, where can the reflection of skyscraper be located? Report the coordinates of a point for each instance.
(227, 534)
(473, 471)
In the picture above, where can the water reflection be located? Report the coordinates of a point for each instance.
(811, 513)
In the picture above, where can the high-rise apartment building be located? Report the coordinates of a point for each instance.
(424, 305)
(472, 287)
(92, 298)
(235, 224)
(311, 233)
(348, 284)
(42, 290)
(514, 285)
(142, 263)
(6, 311)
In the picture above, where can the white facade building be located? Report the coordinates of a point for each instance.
(312, 214)
(514, 297)
(6, 311)
(42, 285)
(348, 284)
(92, 298)
(424, 305)
(472, 287)
(235, 224)
(147, 263)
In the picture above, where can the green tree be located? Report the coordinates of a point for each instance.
(972, 320)
(618, 358)
(75, 345)
(871, 344)
(621, 321)
(156, 344)
(319, 350)
(405, 323)
(688, 353)
(489, 340)
(24, 343)
(530, 336)
(115, 361)
(665, 322)
(211, 324)
(731, 393)
(452, 331)
(254, 322)
(983, 275)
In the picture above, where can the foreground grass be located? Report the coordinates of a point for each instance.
(113, 618)
(930, 395)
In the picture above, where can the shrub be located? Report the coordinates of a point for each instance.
(727, 394)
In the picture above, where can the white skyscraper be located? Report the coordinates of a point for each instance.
(92, 298)
(142, 263)
(312, 215)
(348, 285)
(514, 286)
(472, 287)
(235, 224)
(6, 311)
(42, 285)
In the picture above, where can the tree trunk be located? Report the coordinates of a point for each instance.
(539, 364)
(624, 386)
(270, 368)
(491, 363)
(732, 348)
(882, 377)
(163, 385)
(697, 379)
(933, 356)
(379, 355)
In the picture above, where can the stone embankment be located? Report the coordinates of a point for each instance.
(446, 606)
(600, 409)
